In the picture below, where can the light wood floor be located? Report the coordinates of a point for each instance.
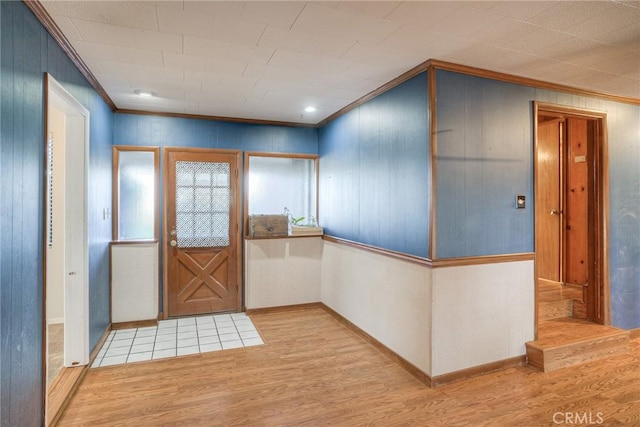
(315, 372)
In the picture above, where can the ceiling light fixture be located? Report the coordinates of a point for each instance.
(143, 93)
(310, 109)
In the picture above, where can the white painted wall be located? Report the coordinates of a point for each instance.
(481, 314)
(55, 266)
(282, 272)
(134, 282)
(388, 298)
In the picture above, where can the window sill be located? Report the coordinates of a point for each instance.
(133, 242)
(280, 237)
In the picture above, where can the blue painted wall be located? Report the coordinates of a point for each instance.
(26, 52)
(374, 171)
(485, 158)
(624, 204)
(135, 129)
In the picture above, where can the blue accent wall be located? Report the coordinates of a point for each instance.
(374, 171)
(26, 52)
(141, 130)
(624, 214)
(485, 158)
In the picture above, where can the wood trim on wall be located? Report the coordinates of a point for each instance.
(484, 259)
(436, 263)
(281, 308)
(475, 371)
(380, 251)
(132, 242)
(216, 118)
(536, 287)
(134, 324)
(312, 236)
(431, 161)
(281, 155)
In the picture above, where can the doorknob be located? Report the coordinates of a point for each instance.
(554, 212)
(173, 243)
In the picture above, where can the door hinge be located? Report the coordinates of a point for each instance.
(236, 173)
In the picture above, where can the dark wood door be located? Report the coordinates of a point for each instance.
(202, 240)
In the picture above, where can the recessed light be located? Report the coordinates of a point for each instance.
(310, 109)
(143, 92)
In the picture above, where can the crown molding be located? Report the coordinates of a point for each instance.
(217, 118)
(525, 81)
(52, 28)
(433, 64)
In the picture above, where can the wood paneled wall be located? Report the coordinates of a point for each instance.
(27, 51)
(374, 171)
(139, 129)
(484, 160)
(623, 122)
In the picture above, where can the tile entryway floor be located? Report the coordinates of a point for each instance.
(178, 337)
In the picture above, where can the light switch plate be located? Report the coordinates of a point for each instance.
(520, 202)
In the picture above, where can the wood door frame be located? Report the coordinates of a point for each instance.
(165, 228)
(601, 208)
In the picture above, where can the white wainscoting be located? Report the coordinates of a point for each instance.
(441, 320)
(387, 298)
(481, 314)
(134, 282)
(280, 272)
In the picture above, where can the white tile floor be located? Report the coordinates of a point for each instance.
(178, 337)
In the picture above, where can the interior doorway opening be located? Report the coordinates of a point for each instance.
(66, 270)
(571, 199)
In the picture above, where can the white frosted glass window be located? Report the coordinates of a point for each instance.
(279, 182)
(203, 204)
(136, 195)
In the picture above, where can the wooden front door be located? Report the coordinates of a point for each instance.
(202, 237)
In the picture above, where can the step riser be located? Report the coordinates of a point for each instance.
(555, 310)
(558, 357)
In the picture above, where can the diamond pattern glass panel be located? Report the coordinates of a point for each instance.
(203, 200)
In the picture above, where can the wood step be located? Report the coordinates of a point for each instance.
(567, 342)
(549, 310)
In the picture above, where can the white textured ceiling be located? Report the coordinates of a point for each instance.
(269, 60)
